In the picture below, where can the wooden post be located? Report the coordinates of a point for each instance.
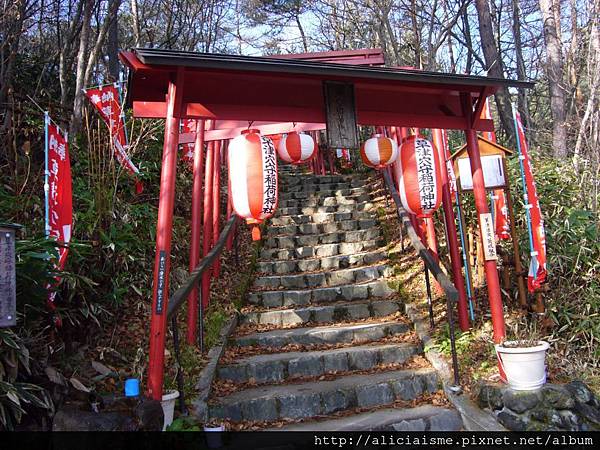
(207, 219)
(520, 274)
(164, 230)
(216, 204)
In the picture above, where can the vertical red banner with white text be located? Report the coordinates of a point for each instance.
(60, 194)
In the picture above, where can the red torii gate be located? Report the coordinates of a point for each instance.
(267, 91)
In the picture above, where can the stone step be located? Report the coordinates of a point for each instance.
(325, 201)
(305, 192)
(324, 279)
(325, 263)
(346, 334)
(284, 219)
(298, 210)
(312, 240)
(308, 186)
(305, 297)
(325, 250)
(320, 228)
(323, 314)
(278, 367)
(294, 401)
(420, 418)
(294, 180)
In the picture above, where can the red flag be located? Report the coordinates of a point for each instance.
(60, 197)
(537, 235)
(501, 224)
(106, 100)
(188, 126)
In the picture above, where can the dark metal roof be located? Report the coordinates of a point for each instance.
(174, 58)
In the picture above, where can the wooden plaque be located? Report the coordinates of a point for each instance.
(488, 237)
(340, 110)
(8, 281)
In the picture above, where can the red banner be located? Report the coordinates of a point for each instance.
(106, 100)
(501, 223)
(537, 266)
(188, 126)
(60, 198)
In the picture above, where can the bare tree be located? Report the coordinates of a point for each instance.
(554, 70)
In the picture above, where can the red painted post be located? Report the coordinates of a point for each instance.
(216, 205)
(207, 219)
(164, 226)
(229, 244)
(451, 233)
(197, 172)
(481, 205)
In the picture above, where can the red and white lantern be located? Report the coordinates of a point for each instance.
(252, 168)
(296, 148)
(420, 182)
(379, 151)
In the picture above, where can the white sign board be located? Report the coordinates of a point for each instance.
(487, 237)
(493, 172)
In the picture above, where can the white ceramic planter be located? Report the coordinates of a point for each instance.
(168, 406)
(524, 367)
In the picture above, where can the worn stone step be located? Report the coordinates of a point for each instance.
(294, 180)
(325, 263)
(307, 186)
(336, 200)
(306, 192)
(323, 314)
(304, 297)
(324, 250)
(278, 367)
(420, 418)
(346, 334)
(285, 219)
(293, 401)
(312, 240)
(320, 228)
(324, 279)
(299, 210)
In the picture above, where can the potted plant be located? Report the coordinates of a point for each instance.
(523, 361)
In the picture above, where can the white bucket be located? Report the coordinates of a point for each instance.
(524, 367)
(213, 436)
(168, 406)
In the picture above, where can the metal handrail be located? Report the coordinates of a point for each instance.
(431, 265)
(181, 294)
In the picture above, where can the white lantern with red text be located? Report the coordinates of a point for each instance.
(252, 168)
(379, 151)
(420, 183)
(296, 148)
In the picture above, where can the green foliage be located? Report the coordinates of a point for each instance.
(184, 424)
(443, 344)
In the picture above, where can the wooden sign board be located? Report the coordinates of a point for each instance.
(493, 172)
(488, 237)
(340, 110)
(8, 279)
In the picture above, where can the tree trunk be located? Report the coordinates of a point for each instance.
(82, 56)
(522, 93)
(136, 22)
(494, 65)
(554, 70)
(112, 44)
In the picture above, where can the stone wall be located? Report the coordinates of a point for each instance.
(554, 407)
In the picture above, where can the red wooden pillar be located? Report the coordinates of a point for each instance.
(207, 219)
(229, 244)
(451, 233)
(216, 203)
(197, 172)
(481, 205)
(164, 226)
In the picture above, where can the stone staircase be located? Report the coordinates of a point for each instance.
(323, 344)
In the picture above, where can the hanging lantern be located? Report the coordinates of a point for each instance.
(420, 182)
(296, 148)
(252, 168)
(379, 151)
